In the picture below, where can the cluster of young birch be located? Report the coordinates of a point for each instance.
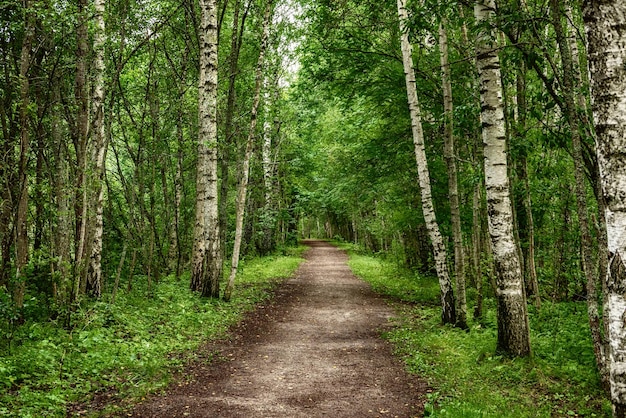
(120, 126)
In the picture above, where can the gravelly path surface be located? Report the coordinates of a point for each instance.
(314, 351)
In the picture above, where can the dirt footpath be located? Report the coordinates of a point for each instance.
(314, 351)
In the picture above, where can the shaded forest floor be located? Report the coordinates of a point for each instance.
(314, 351)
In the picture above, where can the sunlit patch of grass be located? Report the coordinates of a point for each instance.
(467, 377)
(393, 281)
(127, 349)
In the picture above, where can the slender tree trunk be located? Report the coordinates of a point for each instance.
(559, 292)
(271, 142)
(439, 249)
(175, 250)
(80, 146)
(118, 274)
(38, 195)
(243, 185)
(22, 207)
(8, 165)
(482, 261)
(453, 188)
(580, 184)
(99, 143)
(62, 233)
(229, 129)
(267, 144)
(581, 81)
(604, 21)
(477, 249)
(522, 165)
(513, 329)
(178, 199)
(206, 258)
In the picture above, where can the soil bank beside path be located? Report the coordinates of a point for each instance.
(314, 351)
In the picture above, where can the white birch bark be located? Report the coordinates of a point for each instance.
(513, 330)
(245, 170)
(581, 79)
(206, 260)
(604, 21)
(439, 249)
(94, 272)
(267, 144)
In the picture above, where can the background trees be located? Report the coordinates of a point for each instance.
(99, 153)
(99, 125)
(365, 191)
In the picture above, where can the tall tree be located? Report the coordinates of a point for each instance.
(245, 170)
(439, 249)
(98, 154)
(80, 138)
(570, 71)
(522, 172)
(453, 184)
(206, 257)
(604, 22)
(22, 248)
(513, 329)
(229, 126)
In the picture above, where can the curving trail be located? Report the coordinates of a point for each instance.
(315, 351)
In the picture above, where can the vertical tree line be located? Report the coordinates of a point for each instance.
(506, 168)
(466, 137)
(122, 127)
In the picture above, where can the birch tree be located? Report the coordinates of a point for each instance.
(99, 146)
(439, 249)
(453, 188)
(229, 118)
(245, 170)
(206, 257)
(570, 74)
(513, 329)
(604, 22)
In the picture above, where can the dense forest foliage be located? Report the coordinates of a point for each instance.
(146, 139)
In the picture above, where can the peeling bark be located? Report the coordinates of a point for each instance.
(99, 144)
(439, 249)
(206, 257)
(605, 22)
(513, 329)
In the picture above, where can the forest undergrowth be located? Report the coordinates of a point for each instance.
(127, 349)
(466, 376)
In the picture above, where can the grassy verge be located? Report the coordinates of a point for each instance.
(467, 378)
(128, 349)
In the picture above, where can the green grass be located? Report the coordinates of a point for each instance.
(128, 349)
(466, 377)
